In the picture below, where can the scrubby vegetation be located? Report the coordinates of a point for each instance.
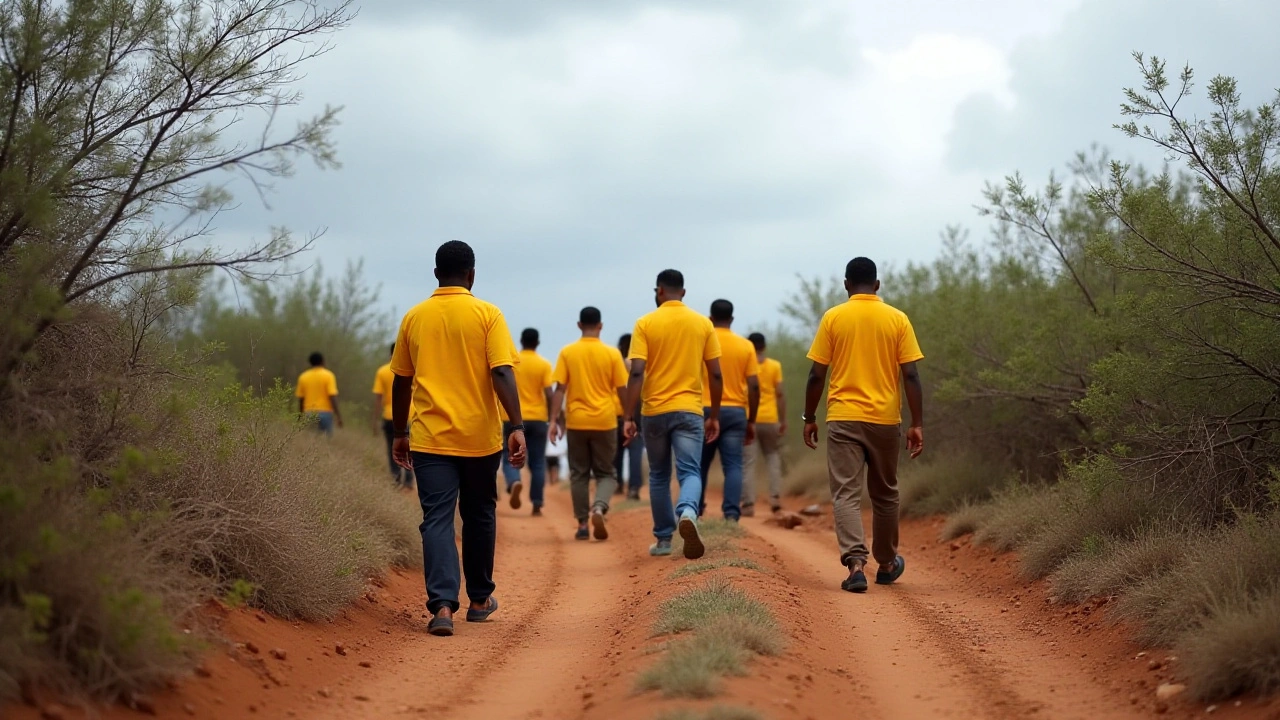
(139, 481)
(1103, 384)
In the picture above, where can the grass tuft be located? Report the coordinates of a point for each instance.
(717, 712)
(947, 482)
(1235, 651)
(1120, 565)
(704, 566)
(1016, 516)
(698, 607)
(966, 519)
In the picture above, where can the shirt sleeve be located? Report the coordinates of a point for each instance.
(712, 349)
(777, 372)
(908, 347)
(639, 343)
(377, 383)
(820, 350)
(619, 370)
(499, 348)
(332, 388)
(297, 391)
(753, 364)
(548, 377)
(561, 375)
(402, 357)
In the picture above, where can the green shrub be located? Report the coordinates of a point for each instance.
(943, 483)
(1017, 515)
(1123, 564)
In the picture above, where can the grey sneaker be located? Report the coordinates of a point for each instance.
(660, 548)
(693, 547)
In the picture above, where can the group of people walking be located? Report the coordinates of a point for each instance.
(459, 402)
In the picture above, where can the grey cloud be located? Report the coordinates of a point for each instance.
(1068, 86)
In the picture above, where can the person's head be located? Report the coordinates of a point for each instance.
(589, 322)
(456, 265)
(757, 339)
(624, 344)
(393, 349)
(721, 313)
(860, 277)
(670, 287)
(529, 339)
(316, 359)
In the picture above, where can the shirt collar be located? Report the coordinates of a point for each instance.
(866, 298)
(451, 290)
(588, 339)
(671, 303)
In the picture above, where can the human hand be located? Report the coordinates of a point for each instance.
(629, 432)
(782, 428)
(555, 432)
(400, 452)
(915, 441)
(711, 429)
(750, 436)
(517, 449)
(811, 435)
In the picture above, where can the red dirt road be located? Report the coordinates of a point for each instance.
(960, 637)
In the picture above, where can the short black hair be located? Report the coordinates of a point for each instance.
(624, 344)
(589, 316)
(316, 359)
(671, 279)
(393, 349)
(529, 338)
(757, 339)
(455, 259)
(721, 310)
(860, 271)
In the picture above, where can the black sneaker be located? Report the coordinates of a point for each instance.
(537, 511)
(583, 533)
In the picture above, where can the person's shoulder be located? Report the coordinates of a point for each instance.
(895, 313)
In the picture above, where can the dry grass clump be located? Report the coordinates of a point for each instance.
(1086, 523)
(699, 567)
(1017, 515)
(729, 627)
(1236, 650)
(1121, 565)
(809, 477)
(966, 519)
(945, 482)
(718, 712)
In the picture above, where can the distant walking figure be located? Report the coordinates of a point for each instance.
(669, 349)
(866, 346)
(771, 425)
(591, 378)
(630, 455)
(383, 379)
(453, 355)
(317, 394)
(738, 407)
(533, 379)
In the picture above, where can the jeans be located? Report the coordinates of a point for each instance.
(446, 482)
(675, 435)
(324, 422)
(633, 454)
(733, 433)
(535, 436)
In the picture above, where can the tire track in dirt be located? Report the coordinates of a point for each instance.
(926, 652)
(524, 663)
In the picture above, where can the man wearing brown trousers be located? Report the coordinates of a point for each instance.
(592, 377)
(869, 350)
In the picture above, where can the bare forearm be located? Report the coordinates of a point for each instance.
(813, 389)
(782, 404)
(635, 384)
(753, 400)
(401, 398)
(504, 386)
(334, 402)
(915, 395)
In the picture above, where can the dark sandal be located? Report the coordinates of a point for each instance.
(481, 615)
(440, 626)
(855, 583)
(887, 578)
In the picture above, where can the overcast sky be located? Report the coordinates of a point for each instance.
(581, 147)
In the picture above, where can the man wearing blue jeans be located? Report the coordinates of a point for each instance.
(533, 380)
(740, 370)
(670, 348)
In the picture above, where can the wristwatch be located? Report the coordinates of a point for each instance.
(397, 434)
(519, 427)
(808, 419)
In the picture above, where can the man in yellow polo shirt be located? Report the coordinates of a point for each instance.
(453, 356)
(771, 425)
(533, 380)
(738, 408)
(591, 379)
(871, 352)
(382, 382)
(670, 347)
(317, 394)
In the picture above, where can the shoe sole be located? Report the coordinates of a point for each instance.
(598, 528)
(693, 547)
(516, 489)
(441, 631)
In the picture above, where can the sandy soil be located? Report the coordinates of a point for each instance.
(960, 637)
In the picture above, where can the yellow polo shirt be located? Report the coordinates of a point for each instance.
(316, 386)
(533, 376)
(675, 342)
(448, 344)
(737, 363)
(864, 342)
(770, 379)
(591, 372)
(382, 381)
